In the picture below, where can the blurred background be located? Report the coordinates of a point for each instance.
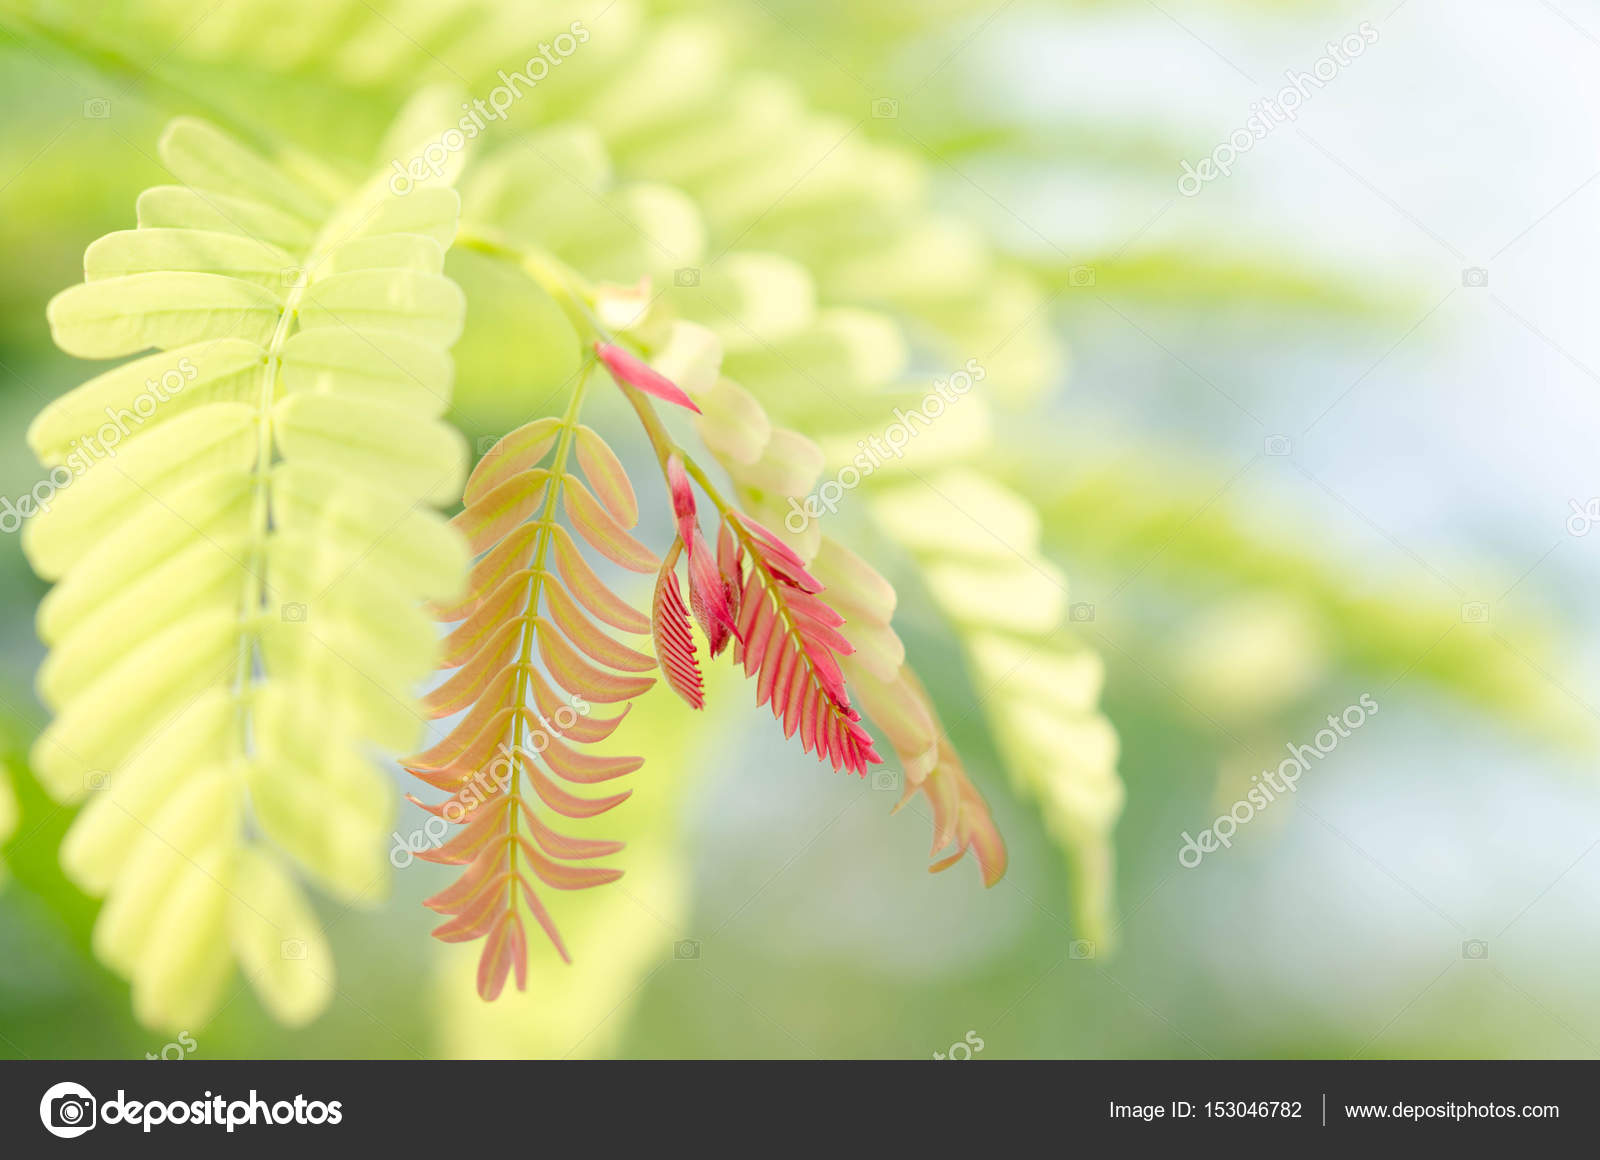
(1324, 429)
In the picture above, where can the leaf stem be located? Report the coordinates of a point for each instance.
(549, 273)
(572, 294)
(569, 425)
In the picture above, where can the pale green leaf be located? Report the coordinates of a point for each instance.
(959, 513)
(144, 392)
(386, 446)
(430, 211)
(134, 699)
(789, 464)
(182, 839)
(125, 315)
(732, 423)
(388, 367)
(149, 251)
(384, 252)
(328, 809)
(206, 573)
(105, 833)
(428, 306)
(414, 545)
(204, 157)
(204, 440)
(278, 939)
(1019, 595)
(212, 506)
(178, 207)
(178, 978)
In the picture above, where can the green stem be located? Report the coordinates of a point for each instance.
(253, 599)
(549, 273)
(572, 293)
(569, 426)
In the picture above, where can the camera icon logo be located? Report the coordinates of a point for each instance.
(294, 613)
(1081, 948)
(293, 948)
(1475, 277)
(97, 108)
(293, 277)
(686, 276)
(1475, 948)
(885, 108)
(67, 1110)
(1081, 612)
(1080, 276)
(486, 444)
(1277, 445)
(1475, 612)
(885, 779)
(686, 948)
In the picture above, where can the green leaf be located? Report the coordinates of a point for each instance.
(218, 436)
(179, 207)
(150, 390)
(125, 315)
(235, 525)
(389, 447)
(149, 251)
(392, 367)
(279, 939)
(429, 306)
(204, 157)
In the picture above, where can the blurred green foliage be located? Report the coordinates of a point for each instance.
(814, 930)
